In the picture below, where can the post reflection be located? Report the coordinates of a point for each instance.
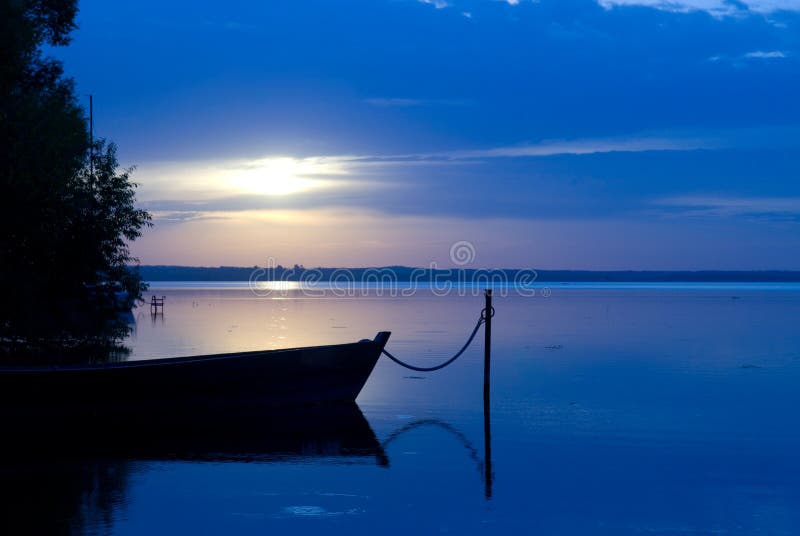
(483, 465)
(157, 319)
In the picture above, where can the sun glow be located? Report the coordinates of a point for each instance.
(281, 176)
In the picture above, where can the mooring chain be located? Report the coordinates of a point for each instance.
(481, 321)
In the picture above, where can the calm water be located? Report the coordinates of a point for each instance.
(637, 410)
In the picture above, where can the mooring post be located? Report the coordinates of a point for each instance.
(487, 430)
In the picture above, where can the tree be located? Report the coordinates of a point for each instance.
(64, 252)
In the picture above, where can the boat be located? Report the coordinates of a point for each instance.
(310, 375)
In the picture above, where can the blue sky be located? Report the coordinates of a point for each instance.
(605, 134)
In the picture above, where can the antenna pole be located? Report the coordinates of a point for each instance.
(91, 137)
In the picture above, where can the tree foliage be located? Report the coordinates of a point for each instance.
(67, 217)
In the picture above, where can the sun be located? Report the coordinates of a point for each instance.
(274, 176)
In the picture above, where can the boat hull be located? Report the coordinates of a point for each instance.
(312, 375)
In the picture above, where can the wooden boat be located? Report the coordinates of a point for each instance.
(311, 375)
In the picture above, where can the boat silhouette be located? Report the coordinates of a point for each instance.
(311, 375)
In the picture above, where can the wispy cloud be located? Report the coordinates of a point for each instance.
(441, 4)
(774, 208)
(161, 217)
(590, 146)
(742, 60)
(717, 8)
(402, 102)
(760, 54)
(280, 182)
(643, 142)
(438, 4)
(766, 137)
(416, 183)
(279, 175)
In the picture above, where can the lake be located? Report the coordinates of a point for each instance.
(615, 409)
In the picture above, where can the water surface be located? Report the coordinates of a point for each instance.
(615, 410)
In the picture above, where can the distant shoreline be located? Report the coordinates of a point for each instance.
(408, 274)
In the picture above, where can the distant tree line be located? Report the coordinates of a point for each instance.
(406, 273)
(67, 210)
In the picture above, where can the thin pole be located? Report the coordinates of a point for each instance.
(487, 427)
(487, 345)
(91, 137)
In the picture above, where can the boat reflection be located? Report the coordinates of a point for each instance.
(221, 433)
(70, 473)
(60, 497)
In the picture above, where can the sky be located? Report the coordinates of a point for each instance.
(557, 134)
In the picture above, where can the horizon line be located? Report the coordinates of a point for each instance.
(465, 268)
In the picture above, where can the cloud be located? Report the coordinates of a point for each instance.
(765, 55)
(741, 60)
(441, 4)
(590, 146)
(769, 137)
(637, 174)
(772, 208)
(401, 102)
(438, 4)
(642, 142)
(283, 175)
(717, 8)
